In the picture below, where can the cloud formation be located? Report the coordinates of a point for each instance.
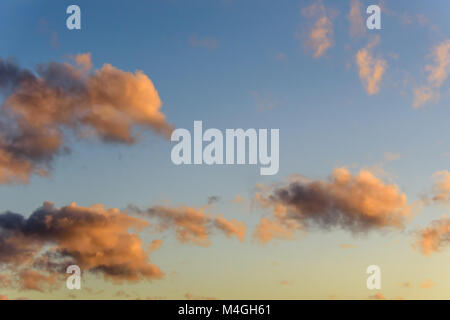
(95, 238)
(437, 75)
(191, 225)
(435, 237)
(371, 69)
(357, 203)
(320, 33)
(39, 108)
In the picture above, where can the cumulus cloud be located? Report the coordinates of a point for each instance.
(357, 25)
(371, 69)
(191, 224)
(40, 107)
(358, 203)
(435, 237)
(437, 75)
(97, 239)
(320, 33)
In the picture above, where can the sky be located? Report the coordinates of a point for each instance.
(86, 175)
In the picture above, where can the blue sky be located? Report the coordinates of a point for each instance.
(250, 68)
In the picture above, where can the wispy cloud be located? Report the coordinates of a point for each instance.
(371, 69)
(206, 42)
(437, 75)
(357, 25)
(320, 32)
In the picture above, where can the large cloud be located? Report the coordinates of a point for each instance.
(95, 238)
(38, 108)
(371, 68)
(437, 75)
(357, 203)
(435, 237)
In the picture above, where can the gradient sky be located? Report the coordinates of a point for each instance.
(248, 64)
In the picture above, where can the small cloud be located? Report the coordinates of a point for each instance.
(427, 284)
(371, 69)
(320, 34)
(286, 282)
(213, 199)
(389, 156)
(437, 74)
(347, 246)
(378, 296)
(406, 284)
(433, 238)
(357, 25)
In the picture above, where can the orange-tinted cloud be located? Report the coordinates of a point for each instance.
(34, 280)
(435, 237)
(378, 296)
(39, 108)
(95, 238)
(357, 25)
(441, 189)
(437, 75)
(3, 297)
(230, 227)
(347, 246)
(269, 229)
(320, 33)
(357, 203)
(192, 224)
(371, 69)
(427, 284)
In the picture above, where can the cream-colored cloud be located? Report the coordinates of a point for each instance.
(357, 203)
(437, 75)
(320, 33)
(371, 69)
